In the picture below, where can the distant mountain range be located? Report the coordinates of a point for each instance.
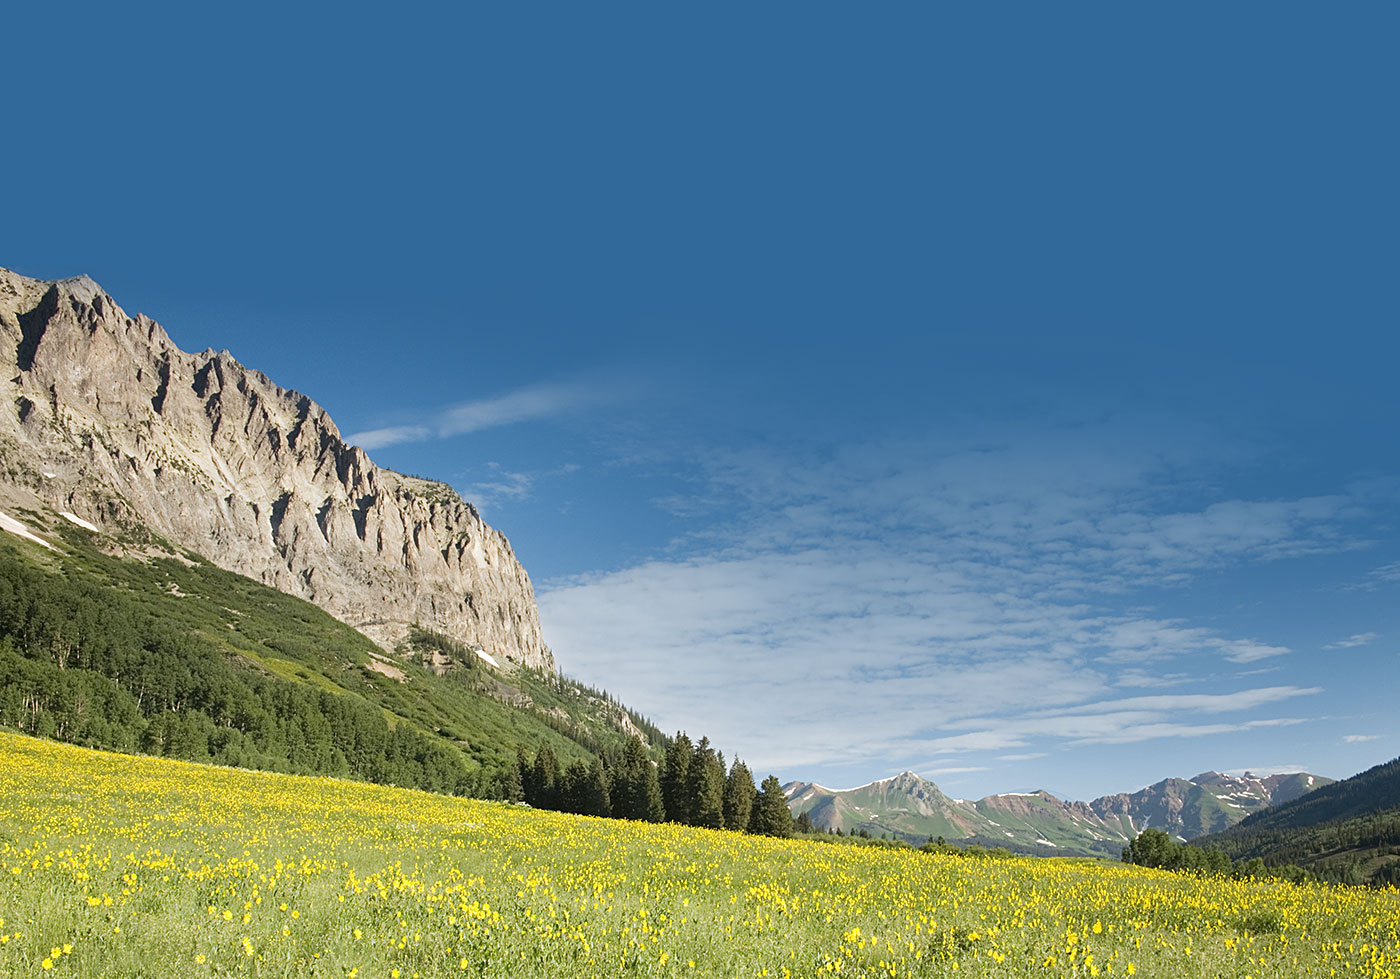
(910, 807)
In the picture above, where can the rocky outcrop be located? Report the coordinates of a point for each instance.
(105, 418)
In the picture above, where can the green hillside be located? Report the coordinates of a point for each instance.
(1348, 831)
(136, 645)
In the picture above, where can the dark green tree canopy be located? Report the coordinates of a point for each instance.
(771, 816)
(739, 795)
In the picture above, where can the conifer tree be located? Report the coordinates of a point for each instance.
(622, 772)
(636, 791)
(739, 794)
(593, 795)
(705, 787)
(514, 792)
(544, 776)
(771, 816)
(651, 788)
(569, 790)
(519, 784)
(673, 778)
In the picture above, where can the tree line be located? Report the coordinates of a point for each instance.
(1154, 848)
(690, 786)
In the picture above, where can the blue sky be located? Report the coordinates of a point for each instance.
(1007, 395)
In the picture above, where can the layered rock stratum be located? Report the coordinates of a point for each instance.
(106, 420)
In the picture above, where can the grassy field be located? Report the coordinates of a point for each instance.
(113, 865)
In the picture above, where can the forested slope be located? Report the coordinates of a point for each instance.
(160, 651)
(1347, 831)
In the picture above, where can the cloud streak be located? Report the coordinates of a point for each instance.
(936, 602)
(1351, 642)
(532, 403)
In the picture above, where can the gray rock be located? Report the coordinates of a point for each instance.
(106, 418)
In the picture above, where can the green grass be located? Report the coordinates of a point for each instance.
(154, 868)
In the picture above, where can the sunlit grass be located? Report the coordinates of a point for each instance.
(120, 866)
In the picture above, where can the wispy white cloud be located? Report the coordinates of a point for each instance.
(1359, 738)
(1247, 650)
(532, 403)
(526, 404)
(1138, 678)
(1386, 574)
(1119, 721)
(501, 485)
(378, 438)
(883, 643)
(1359, 639)
(1139, 640)
(1202, 703)
(937, 598)
(932, 773)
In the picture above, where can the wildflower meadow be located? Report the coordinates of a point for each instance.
(113, 865)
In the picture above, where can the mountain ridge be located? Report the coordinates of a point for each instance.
(912, 807)
(112, 422)
(1347, 830)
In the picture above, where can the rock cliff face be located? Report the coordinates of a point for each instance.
(106, 419)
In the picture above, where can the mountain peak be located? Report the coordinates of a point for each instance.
(123, 429)
(911, 806)
(81, 283)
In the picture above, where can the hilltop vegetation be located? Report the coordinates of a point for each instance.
(116, 866)
(1348, 831)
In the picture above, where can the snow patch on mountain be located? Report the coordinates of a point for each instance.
(13, 526)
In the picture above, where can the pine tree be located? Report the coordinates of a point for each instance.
(705, 787)
(594, 799)
(771, 816)
(521, 783)
(623, 772)
(636, 791)
(673, 778)
(570, 790)
(655, 807)
(544, 778)
(739, 794)
(511, 789)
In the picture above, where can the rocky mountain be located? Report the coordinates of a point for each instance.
(1207, 803)
(107, 422)
(914, 808)
(1346, 831)
(905, 804)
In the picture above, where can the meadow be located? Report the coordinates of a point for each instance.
(114, 865)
